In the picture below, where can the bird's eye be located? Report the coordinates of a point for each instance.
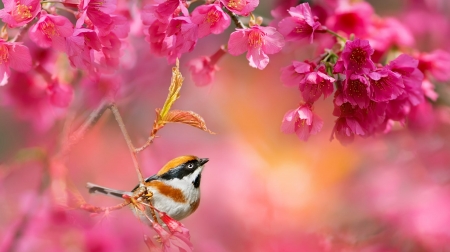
(190, 166)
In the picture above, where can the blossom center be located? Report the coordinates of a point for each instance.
(212, 17)
(302, 27)
(357, 88)
(22, 12)
(4, 54)
(236, 4)
(346, 109)
(48, 28)
(255, 39)
(358, 56)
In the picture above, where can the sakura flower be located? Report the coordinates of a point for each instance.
(437, 64)
(203, 68)
(98, 12)
(351, 18)
(109, 58)
(184, 34)
(179, 241)
(387, 32)
(356, 56)
(164, 10)
(301, 24)
(293, 74)
(398, 109)
(79, 47)
(258, 41)
(347, 125)
(428, 90)
(385, 85)
(210, 19)
(315, 84)
(159, 42)
(240, 7)
(15, 56)
(51, 30)
(19, 12)
(357, 91)
(412, 77)
(301, 121)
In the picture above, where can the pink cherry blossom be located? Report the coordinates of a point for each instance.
(347, 125)
(79, 47)
(19, 12)
(167, 8)
(387, 32)
(385, 85)
(184, 34)
(315, 84)
(172, 239)
(172, 39)
(436, 63)
(301, 121)
(356, 56)
(351, 18)
(109, 57)
(357, 91)
(98, 12)
(258, 41)
(159, 42)
(240, 7)
(429, 91)
(412, 77)
(301, 23)
(15, 56)
(293, 74)
(51, 30)
(203, 69)
(210, 18)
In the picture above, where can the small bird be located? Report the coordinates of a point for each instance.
(175, 189)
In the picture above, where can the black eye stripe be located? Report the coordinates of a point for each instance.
(181, 170)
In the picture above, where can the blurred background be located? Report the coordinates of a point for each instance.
(262, 190)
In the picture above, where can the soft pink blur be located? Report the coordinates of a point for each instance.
(262, 190)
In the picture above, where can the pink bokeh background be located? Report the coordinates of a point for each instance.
(262, 190)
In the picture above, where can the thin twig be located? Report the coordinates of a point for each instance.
(125, 134)
(146, 144)
(235, 19)
(336, 35)
(93, 118)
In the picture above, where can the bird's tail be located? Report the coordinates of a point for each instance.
(93, 188)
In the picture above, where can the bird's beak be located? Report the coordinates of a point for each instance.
(203, 161)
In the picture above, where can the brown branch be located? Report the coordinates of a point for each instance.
(235, 19)
(125, 134)
(76, 136)
(146, 144)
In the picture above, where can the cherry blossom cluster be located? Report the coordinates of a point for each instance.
(373, 81)
(90, 35)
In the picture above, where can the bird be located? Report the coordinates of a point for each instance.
(174, 189)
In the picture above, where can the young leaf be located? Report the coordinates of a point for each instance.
(174, 90)
(186, 117)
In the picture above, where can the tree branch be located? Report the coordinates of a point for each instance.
(125, 134)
